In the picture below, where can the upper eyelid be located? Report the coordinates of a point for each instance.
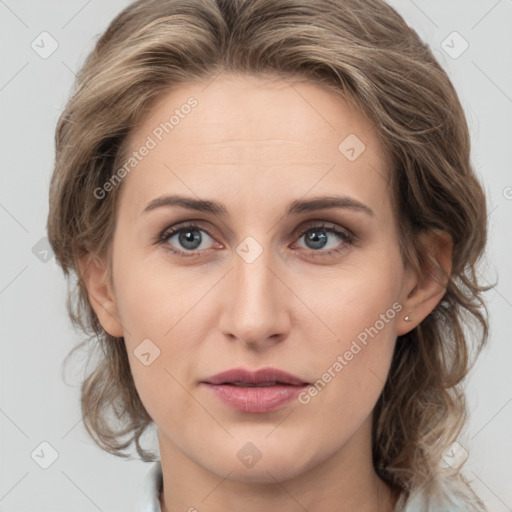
(205, 225)
(173, 229)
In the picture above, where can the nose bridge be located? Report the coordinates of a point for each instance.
(253, 309)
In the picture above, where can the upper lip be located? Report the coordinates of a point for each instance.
(262, 376)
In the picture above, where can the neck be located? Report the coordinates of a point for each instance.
(344, 482)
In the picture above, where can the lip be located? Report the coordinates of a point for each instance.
(264, 390)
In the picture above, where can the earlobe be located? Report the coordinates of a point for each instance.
(425, 291)
(94, 272)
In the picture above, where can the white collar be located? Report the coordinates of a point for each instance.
(149, 491)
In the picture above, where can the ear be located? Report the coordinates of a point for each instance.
(94, 272)
(423, 290)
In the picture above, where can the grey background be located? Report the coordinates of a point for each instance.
(37, 405)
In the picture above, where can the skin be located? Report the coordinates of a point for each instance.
(256, 145)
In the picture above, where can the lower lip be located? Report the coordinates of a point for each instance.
(255, 399)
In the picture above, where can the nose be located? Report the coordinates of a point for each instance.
(254, 304)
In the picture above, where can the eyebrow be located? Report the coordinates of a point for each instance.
(294, 208)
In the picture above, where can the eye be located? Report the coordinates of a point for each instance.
(317, 237)
(188, 239)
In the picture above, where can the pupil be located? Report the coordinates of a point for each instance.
(188, 238)
(318, 237)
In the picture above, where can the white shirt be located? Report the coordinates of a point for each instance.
(149, 492)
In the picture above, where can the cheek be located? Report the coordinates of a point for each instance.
(150, 298)
(352, 298)
(152, 307)
(352, 363)
(161, 367)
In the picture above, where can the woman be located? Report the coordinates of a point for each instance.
(274, 223)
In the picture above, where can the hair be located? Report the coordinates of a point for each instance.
(361, 50)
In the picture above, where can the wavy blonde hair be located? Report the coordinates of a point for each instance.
(365, 52)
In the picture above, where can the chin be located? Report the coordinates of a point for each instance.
(261, 461)
(264, 473)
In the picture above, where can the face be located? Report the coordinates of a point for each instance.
(268, 278)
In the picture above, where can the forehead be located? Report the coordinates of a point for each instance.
(255, 137)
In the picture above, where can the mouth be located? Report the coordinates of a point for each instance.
(261, 391)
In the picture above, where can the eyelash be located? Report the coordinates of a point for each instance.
(347, 238)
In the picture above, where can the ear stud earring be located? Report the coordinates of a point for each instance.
(407, 319)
